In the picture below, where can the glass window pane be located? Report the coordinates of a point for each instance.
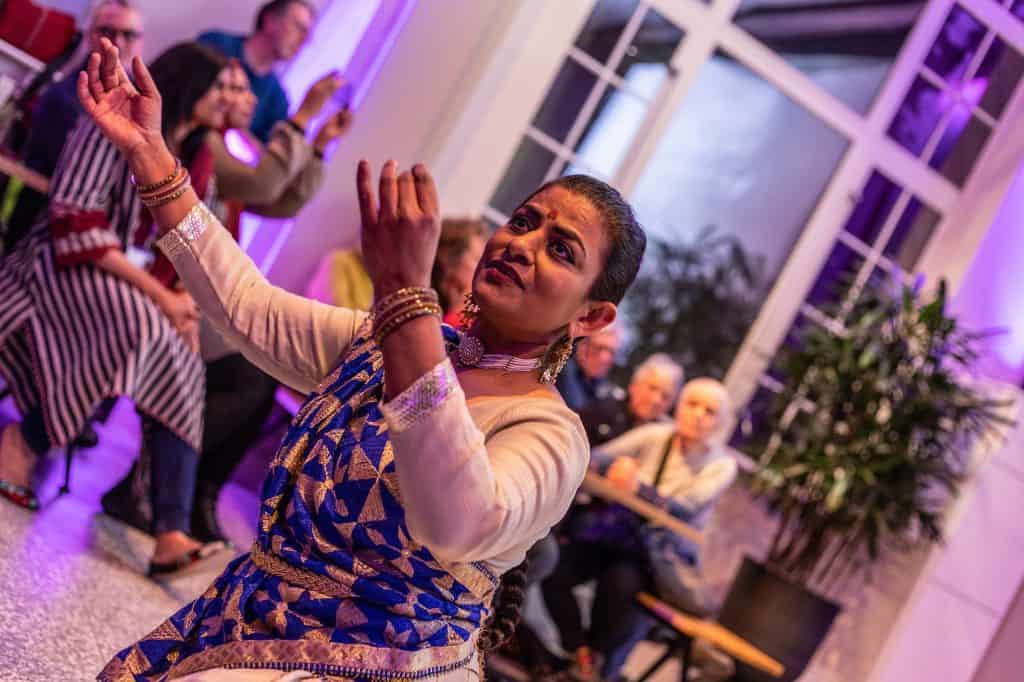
(956, 45)
(610, 133)
(741, 156)
(846, 48)
(655, 42)
(961, 144)
(873, 207)
(1000, 72)
(525, 174)
(835, 277)
(917, 117)
(912, 234)
(604, 27)
(564, 100)
(754, 429)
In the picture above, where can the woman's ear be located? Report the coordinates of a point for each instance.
(595, 316)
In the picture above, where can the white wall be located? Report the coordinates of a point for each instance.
(407, 116)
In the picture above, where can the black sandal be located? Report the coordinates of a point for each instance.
(169, 568)
(19, 495)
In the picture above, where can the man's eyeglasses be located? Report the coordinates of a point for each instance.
(112, 33)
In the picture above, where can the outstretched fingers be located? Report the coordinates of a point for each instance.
(426, 190)
(364, 189)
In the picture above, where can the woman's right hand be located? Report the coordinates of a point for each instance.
(316, 97)
(128, 115)
(623, 474)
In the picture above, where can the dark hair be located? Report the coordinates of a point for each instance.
(627, 240)
(505, 615)
(183, 74)
(276, 7)
(456, 237)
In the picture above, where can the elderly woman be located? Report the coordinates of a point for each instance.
(673, 464)
(425, 462)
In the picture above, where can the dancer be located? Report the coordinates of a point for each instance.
(405, 486)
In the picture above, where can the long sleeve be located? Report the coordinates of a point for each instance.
(296, 195)
(631, 444)
(475, 497)
(280, 163)
(294, 339)
(710, 482)
(81, 195)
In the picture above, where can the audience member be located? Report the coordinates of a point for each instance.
(58, 109)
(585, 379)
(282, 28)
(239, 396)
(80, 322)
(675, 465)
(652, 389)
(458, 251)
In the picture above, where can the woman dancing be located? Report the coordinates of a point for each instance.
(425, 461)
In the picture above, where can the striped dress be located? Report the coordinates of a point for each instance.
(72, 334)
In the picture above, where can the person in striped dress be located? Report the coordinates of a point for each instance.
(80, 322)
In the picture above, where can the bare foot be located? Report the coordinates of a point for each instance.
(16, 458)
(173, 545)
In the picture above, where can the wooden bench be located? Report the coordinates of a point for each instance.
(689, 628)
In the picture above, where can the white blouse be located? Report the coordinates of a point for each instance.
(481, 479)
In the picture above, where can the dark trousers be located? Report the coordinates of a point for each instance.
(173, 464)
(239, 399)
(616, 623)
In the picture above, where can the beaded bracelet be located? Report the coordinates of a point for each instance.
(167, 198)
(180, 183)
(147, 189)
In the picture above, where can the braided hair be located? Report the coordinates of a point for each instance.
(508, 602)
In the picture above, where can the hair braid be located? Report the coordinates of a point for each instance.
(505, 615)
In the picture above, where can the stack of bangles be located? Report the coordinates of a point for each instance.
(167, 190)
(394, 310)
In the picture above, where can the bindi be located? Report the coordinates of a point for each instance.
(552, 214)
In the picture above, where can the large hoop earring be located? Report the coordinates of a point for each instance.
(556, 358)
(470, 310)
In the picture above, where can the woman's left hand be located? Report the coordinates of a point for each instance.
(623, 474)
(400, 235)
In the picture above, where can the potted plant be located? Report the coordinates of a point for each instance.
(872, 429)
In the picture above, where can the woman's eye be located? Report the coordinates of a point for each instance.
(562, 251)
(519, 223)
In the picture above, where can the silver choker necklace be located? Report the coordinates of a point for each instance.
(471, 354)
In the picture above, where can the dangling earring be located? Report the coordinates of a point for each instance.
(556, 358)
(470, 310)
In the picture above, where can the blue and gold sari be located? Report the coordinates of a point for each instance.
(333, 584)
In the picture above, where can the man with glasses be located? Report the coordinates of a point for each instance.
(57, 109)
(282, 28)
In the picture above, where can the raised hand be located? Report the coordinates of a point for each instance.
(333, 128)
(316, 97)
(400, 235)
(128, 114)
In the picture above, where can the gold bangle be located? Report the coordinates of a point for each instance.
(400, 306)
(156, 203)
(145, 189)
(182, 180)
(410, 292)
(387, 322)
(391, 325)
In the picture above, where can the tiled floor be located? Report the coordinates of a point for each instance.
(72, 592)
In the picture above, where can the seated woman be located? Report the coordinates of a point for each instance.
(80, 322)
(675, 465)
(425, 461)
(240, 396)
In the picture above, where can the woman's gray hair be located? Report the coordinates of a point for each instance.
(661, 362)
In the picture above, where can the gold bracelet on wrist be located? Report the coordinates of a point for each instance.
(146, 189)
(384, 330)
(405, 292)
(167, 198)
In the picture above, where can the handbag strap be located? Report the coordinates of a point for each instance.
(664, 460)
